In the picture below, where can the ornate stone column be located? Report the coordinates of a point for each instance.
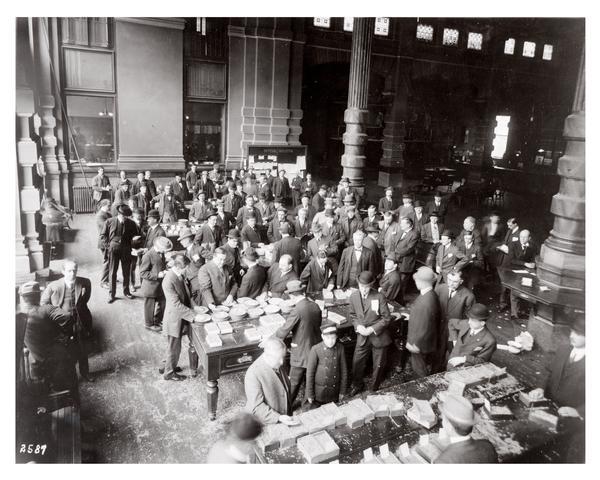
(28, 200)
(45, 106)
(355, 138)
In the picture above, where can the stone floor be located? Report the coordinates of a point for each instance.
(131, 415)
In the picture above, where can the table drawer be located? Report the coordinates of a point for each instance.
(233, 362)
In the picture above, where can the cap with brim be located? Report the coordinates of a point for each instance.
(425, 274)
(29, 288)
(154, 214)
(391, 257)
(124, 209)
(579, 325)
(211, 213)
(234, 233)
(185, 233)
(372, 229)
(305, 195)
(407, 195)
(250, 254)
(448, 233)
(458, 410)
(328, 327)
(438, 194)
(418, 204)
(162, 244)
(434, 214)
(389, 189)
(366, 278)
(294, 286)
(345, 179)
(323, 187)
(478, 312)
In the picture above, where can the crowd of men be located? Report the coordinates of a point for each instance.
(318, 238)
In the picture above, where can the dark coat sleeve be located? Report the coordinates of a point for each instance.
(311, 369)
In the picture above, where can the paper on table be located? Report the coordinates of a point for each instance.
(543, 288)
(384, 450)
(335, 317)
(368, 453)
(520, 271)
(404, 450)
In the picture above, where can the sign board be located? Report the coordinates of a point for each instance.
(290, 158)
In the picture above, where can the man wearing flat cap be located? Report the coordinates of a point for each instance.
(371, 320)
(116, 236)
(304, 322)
(458, 419)
(197, 255)
(475, 343)
(255, 277)
(424, 324)
(448, 257)
(152, 272)
(288, 245)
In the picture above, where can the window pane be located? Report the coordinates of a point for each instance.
(206, 80)
(98, 32)
(475, 41)
(500, 136)
(348, 24)
(75, 30)
(89, 70)
(321, 22)
(547, 55)
(92, 126)
(382, 26)
(202, 132)
(425, 32)
(529, 49)
(509, 46)
(450, 36)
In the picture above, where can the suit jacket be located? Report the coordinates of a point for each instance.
(449, 258)
(315, 277)
(502, 258)
(420, 222)
(366, 262)
(232, 204)
(251, 235)
(386, 205)
(207, 187)
(364, 314)
(266, 395)
(121, 198)
(199, 211)
(455, 308)
(216, 284)
(151, 192)
(518, 256)
(442, 209)
(304, 321)
(167, 207)
(406, 250)
(54, 294)
(389, 237)
(179, 189)
(190, 181)
(226, 222)
(178, 304)
(136, 186)
(47, 330)
(390, 285)
(477, 348)
(197, 255)
(290, 246)
(301, 230)
(310, 189)
(326, 373)
(253, 282)
(115, 241)
(426, 233)
(311, 212)
(469, 451)
(101, 218)
(152, 264)
(208, 239)
(273, 234)
(97, 183)
(460, 240)
(281, 188)
(324, 243)
(368, 222)
(377, 256)
(348, 228)
(566, 383)
(242, 217)
(267, 211)
(405, 212)
(141, 201)
(473, 256)
(232, 258)
(318, 202)
(276, 282)
(152, 234)
(424, 322)
(266, 189)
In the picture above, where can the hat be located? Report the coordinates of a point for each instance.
(458, 410)
(372, 229)
(407, 195)
(282, 209)
(162, 244)
(246, 426)
(328, 327)
(434, 214)
(437, 194)
(278, 199)
(211, 213)
(329, 212)
(154, 214)
(478, 312)
(391, 257)
(124, 182)
(294, 286)
(284, 228)
(185, 233)
(124, 209)
(345, 179)
(425, 274)
(323, 187)
(391, 189)
(372, 206)
(349, 198)
(579, 325)
(29, 288)
(250, 254)
(418, 204)
(137, 241)
(366, 278)
(233, 233)
(448, 233)
(305, 195)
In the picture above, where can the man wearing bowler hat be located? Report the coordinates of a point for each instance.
(154, 230)
(232, 252)
(431, 235)
(116, 237)
(448, 257)
(437, 205)
(152, 272)
(424, 324)
(420, 217)
(255, 277)
(458, 419)
(197, 255)
(475, 343)
(304, 321)
(209, 235)
(371, 320)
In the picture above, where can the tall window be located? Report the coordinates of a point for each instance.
(91, 120)
(474, 41)
(323, 22)
(500, 136)
(450, 36)
(382, 26)
(547, 54)
(509, 46)
(529, 49)
(425, 32)
(348, 24)
(203, 126)
(86, 31)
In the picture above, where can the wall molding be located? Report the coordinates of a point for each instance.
(176, 23)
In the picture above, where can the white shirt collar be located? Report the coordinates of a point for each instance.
(69, 285)
(459, 438)
(475, 332)
(425, 290)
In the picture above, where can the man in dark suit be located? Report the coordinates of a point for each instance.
(197, 254)
(302, 227)
(370, 242)
(389, 285)
(178, 315)
(122, 195)
(101, 217)
(308, 186)
(492, 236)
(179, 188)
(232, 202)
(217, 284)
(371, 320)
(424, 324)
(281, 186)
(152, 271)
(224, 219)
(273, 234)
(100, 186)
(255, 277)
(200, 208)
(520, 254)
(209, 236)
(305, 204)
(250, 234)
(387, 203)
(349, 224)
(137, 184)
(355, 259)
(469, 226)
(474, 262)
(264, 188)
(566, 383)
(116, 237)
(322, 242)
(167, 204)
(475, 343)
(390, 234)
(140, 200)
(231, 247)
(317, 274)
(206, 185)
(244, 212)
(448, 257)
(304, 321)
(191, 179)
(296, 188)
(278, 276)
(318, 200)
(372, 219)
(267, 385)
(154, 230)
(71, 294)
(420, 217)
(458, 419)
(288, 245)
(455, 301)
(152, 192)
(437, 205)
(406, 210)
(405, 253)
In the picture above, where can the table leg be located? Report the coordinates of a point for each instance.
(212, 395)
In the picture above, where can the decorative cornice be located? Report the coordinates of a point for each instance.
(176, 23)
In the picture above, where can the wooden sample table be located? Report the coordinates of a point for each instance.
(513, 439)
(237, 353)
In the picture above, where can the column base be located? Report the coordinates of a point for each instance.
(390, 176)
(547, 336)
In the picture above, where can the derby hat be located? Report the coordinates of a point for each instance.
(478, 312)
(294, 286)
(162, 244)
(425, 274)
(366, 278)
(185, 233)
(234, 233)
(29, 288)
(124, 209)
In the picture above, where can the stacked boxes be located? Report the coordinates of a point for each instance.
(214, 341)
(279, 435)
(357, 413)
(422, 413)
(475, 375)
(543, 417)
(318, 447)
(385, 405)
(335, 412)
(252, 334)
(224, 327)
